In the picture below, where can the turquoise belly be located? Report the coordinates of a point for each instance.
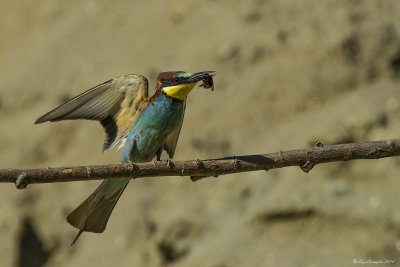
(152, 128)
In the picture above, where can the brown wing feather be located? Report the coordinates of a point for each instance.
(172, 138)
(114, 103)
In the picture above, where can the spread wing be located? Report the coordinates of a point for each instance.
(172, 138)
(116, 104)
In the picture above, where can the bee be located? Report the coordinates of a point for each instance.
(208, 82)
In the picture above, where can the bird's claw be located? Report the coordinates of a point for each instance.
(170, 163)
(134, 166)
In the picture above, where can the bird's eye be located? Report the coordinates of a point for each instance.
(176, 80)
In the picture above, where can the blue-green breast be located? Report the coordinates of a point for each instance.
(152, 128)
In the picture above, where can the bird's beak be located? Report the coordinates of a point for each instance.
(200, 76)
(180, 91)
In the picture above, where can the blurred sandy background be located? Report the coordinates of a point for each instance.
(289, 73)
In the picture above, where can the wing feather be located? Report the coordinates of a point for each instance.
(114, 103)
(172, 139)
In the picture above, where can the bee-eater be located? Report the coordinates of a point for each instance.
(145, 126)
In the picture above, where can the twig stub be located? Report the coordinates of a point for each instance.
(22, 181)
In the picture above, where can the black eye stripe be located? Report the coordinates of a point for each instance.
(172, 82)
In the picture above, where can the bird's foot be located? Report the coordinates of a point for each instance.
(170, 163)
(134, 166)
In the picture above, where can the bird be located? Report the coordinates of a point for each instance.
(143, 127)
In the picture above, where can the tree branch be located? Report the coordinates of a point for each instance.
(198, 169)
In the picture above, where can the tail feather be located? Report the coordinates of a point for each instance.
(93, 214)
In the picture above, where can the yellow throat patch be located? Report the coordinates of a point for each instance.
(179, 91)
